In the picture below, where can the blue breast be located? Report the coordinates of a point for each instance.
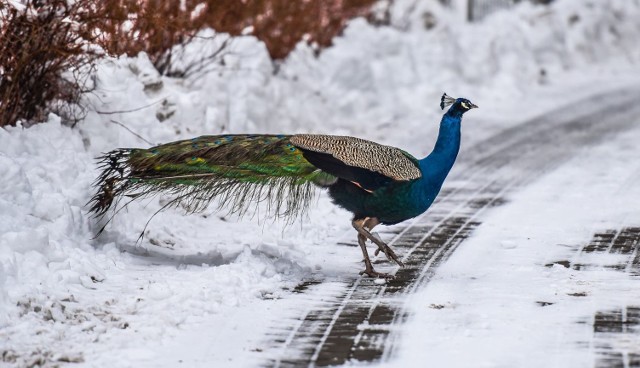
(402, 200)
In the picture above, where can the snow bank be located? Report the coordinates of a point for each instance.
(379, 83)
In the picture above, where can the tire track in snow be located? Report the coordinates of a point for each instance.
(613, 329)
(362, 323)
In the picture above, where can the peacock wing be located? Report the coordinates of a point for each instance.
(365, 163)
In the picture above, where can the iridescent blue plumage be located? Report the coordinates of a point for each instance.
(379, 184)
(401, 200)
(398, 201)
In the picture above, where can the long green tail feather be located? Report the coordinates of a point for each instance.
(237, 170)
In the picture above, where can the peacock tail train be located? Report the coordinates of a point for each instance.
(237, 170)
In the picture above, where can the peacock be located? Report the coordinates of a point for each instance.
(378, 184)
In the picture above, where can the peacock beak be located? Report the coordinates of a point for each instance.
(472, 105)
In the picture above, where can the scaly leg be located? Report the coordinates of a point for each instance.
(367, 262)
(368, 224)
(371, 222)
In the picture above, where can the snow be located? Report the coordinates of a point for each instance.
(492, 315)
(205, 289)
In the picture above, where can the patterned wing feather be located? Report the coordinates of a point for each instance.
(387, 161)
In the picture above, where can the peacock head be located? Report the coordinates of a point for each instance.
(460, 105)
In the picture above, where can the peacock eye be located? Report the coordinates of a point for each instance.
(464, 104)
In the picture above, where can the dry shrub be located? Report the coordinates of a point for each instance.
(156, 26)
(281, 24)
(53, 37)
(43, 51)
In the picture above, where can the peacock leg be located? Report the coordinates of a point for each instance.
(371, 222)
(367, 262)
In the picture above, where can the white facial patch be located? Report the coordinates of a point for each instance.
(464, 104)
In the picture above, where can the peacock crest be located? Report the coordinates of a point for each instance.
(446, 101)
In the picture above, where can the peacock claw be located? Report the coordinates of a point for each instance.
(369, 271)
(377, 275)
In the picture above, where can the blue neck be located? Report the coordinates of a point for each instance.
(437, 165)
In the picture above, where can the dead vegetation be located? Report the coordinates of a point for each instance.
(281, 24)
(48, 48)
(44, 56)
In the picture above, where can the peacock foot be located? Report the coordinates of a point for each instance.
(375, 274)
(369, 271)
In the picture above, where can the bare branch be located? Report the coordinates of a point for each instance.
(132, 110)
(131, 131)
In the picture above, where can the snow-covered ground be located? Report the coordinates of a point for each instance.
(508, 298)
(205, 289)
